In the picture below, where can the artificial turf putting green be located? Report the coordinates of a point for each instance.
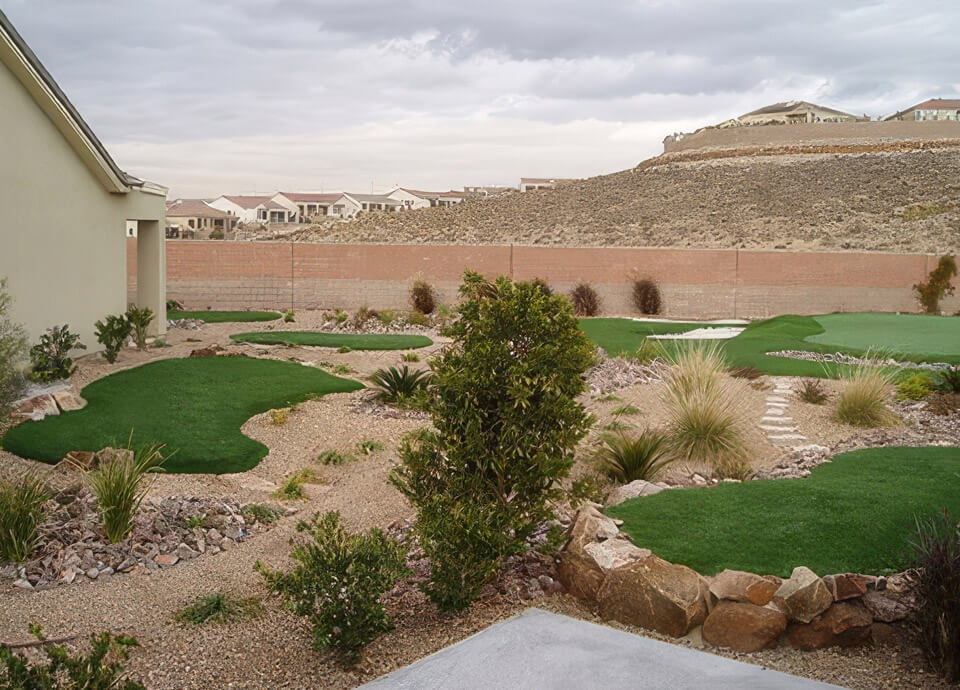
(195, 406)
(626, 335)
(914, 335)
(355, 341)
(224, 316)
(854, 514)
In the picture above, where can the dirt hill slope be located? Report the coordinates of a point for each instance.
(882, 200)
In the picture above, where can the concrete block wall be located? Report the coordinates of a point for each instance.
(696, 283)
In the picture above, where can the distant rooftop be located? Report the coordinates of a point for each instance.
(793, 107)
(312, 197)
(193, 208)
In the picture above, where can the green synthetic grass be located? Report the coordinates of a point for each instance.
(225, 316)
(195, 406)
(914, 335)
(626, 335)
(355, 341)
(854, 514)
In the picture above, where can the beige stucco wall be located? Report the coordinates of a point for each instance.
(62, 235)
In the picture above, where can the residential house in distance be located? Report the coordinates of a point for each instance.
(66, 209)
(932, 109)
(531, 184)
(415, 198)
(350, 204)
(257, 209)
(310, 206)
(793, 112)
(488, 190)
(196, 218)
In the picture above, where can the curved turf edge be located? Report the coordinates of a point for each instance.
(355, 341)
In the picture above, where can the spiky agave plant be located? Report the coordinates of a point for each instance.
(398, 386)
(625, 458)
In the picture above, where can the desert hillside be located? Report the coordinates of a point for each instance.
(873, 198)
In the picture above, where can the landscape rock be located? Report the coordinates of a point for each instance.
(737, 585)
(634, 489)
(844, 624)
(654, 594)
(848, 585)
(36, 408)
(805, 595)
(592, 548)
(79, 460)
(885, 609)
(743, 627)
(68, 402)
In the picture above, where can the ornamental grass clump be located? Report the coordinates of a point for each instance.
(505, 423)
(624, 458)
(338, 582)
(863, 400)
(120, 485)
(22, 510)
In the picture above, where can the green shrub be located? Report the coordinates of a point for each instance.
(66, 671)
(289, 316)
(624, 459)
(915, 387)
(338, 582)
(119, 485)
(22, 510)
(410, 357)
(13, 351)
(418, 318)
(139, 319)
(334, 457)
(505, 422)
(216, 234)
(948, 380)
(174, 305)
(586, 301)
(369, 447)
(422, 297)
(543, 285)
(398, 386)
(50, 358)
(812, 391)
(646, 296)
(936, 556)
(444, 317)
(220, 608)
(862, 402)
(938, 285)
(387, 317)
(292, 487)
(262, 513)
(342, 316)
(112, 333)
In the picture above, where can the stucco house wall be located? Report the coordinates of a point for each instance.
(62, 233)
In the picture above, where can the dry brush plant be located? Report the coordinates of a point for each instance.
(586, 301)
(646, 296)
(866, 389)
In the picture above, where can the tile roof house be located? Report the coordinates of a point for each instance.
(196, 218)
(789, 112)
(309, 205)
(66, 262)
(932, 109)
(350, 204)
(257, 209)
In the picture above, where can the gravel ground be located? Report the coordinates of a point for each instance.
(274, 650)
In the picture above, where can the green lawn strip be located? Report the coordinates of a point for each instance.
(355, 341)
(855, 514)
(195, 406)
(224, 316)
(626, 335)
(918, 337)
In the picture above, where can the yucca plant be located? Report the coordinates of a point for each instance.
(120, 487)
(398, 386)
(625, 458)
(863, 400)
(21, 513)
(139, 319)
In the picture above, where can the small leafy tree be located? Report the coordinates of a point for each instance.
(139, 319)
(505, 423)
(938, 285)
(338, 582)
(112, 333)
(13, 351)
(51, 356)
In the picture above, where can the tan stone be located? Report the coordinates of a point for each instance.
(737, 585)
(634, 489)
(654, 594)
(36, 408)
(81, 460)
(885, 609)
(68, 402)
(109, 454)
(847, 585)
(804, 594)
(844, 624)
(743, 627)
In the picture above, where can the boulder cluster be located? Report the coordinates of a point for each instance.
(737, 610)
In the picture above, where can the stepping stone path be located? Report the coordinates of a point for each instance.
(778, 427)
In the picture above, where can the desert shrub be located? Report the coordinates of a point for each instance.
(948, 380)
(863, 400)
(505, 422)
(444, 317)
(139, 319)
(938, 285)
(362, 315)
(704, 420)
(120, 486)
(422, 297)
(732, 468)
(398, 386)
(112, 333)
(289, 316)
(812, 391)
(586, 301)
(50, 358)
(292, 487)
(915, 386)
(63, 670)
(369, 447)
(338, 581)
(410, 357)
(921, 211)
(22, 509)
(387, 317)
(174, 305)
(334, 457)
(748, 373)
(279, 417)
(589, 487)
(935, 554)
(13, 351)
(543, 285)
(646, 296)
(625, 458)
(216, 234)
(262, 513)
(418, 318)
(218, 607)
(648, 351)
(341, 316)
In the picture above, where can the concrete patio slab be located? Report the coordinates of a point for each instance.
(539, 650)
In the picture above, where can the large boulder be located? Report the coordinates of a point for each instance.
(634, 489)
(804, 596)
(886, 609)
(848, 585)
(743, 627)
(654, 594)
(36, 408)
(845, 624)
(737, 585)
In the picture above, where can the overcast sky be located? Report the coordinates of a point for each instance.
(242, 96)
